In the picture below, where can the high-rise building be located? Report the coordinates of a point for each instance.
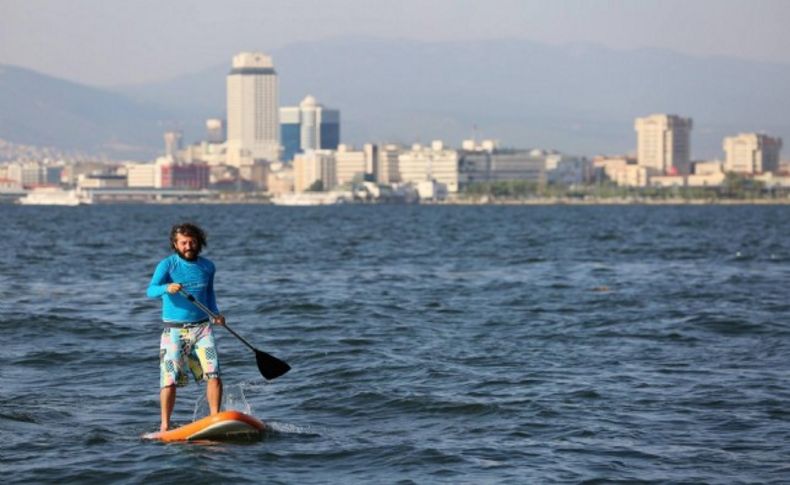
(752, 153)
(664, 143)
(253, 110)
(309, 126)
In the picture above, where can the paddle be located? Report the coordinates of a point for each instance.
(270, 366)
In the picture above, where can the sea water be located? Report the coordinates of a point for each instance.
(429, 344)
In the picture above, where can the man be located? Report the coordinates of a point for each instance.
(187, 341)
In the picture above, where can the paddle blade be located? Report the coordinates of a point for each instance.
(270, 366)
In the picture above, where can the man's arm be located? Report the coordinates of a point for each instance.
(159, 281)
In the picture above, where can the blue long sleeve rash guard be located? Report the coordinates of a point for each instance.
(197, 278)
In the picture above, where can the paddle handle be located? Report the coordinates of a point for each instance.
(208, 312)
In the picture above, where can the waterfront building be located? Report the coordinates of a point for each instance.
(253, 124)
(489, 163)
(705, 180)
(71, 171)
(707, 167)
(165, 173)
(706, 173)
(606, 167)
(631, 176)
(371, 161)
(752, 153)
(350, 164)
(773, 181)
(314, 166)
(568, 170)
(430, 163)
(664, 143)
(309, 126)
(667, 181)
(33, 174)
(193, 176)
(387, 170)
(101, 180)
(142, 175)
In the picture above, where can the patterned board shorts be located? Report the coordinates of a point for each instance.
(190, 348)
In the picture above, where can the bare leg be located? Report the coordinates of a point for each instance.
(214, 394)
(167, 399)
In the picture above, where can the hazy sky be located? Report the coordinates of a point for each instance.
(107, 42)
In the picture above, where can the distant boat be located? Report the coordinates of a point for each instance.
(54, 196)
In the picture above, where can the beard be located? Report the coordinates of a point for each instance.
(189, 254)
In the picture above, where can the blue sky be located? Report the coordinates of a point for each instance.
(110, 42)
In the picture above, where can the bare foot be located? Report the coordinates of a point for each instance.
(164, 427)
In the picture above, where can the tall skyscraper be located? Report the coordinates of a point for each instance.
(664, 143)
(752, 153)
(253, 110)
(309, 126)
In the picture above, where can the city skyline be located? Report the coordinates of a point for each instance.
(525, 93)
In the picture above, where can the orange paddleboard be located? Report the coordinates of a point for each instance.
(227, 425)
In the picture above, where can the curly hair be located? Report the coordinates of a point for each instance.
(190, 230)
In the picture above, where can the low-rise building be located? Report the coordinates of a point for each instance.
(708, 179)
(427, 163)
(387, 170)
(622, 170)
(101, 181)
(350, 164)
(143, 175)
(313, 166)
(487, 162)
(667, 181)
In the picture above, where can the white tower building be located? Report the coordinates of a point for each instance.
(664, 143)
(752, 153)
(253, 110)
(309, 126)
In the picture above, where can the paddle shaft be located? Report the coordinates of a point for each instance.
(269, 366)
(208, 312)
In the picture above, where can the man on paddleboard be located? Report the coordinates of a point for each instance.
(187, 342)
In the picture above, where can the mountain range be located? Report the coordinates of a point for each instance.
(579, 98)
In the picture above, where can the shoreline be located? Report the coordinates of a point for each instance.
(617, 201)
(538, 201)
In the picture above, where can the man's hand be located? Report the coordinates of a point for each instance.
(174, 288)
(219, 320)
